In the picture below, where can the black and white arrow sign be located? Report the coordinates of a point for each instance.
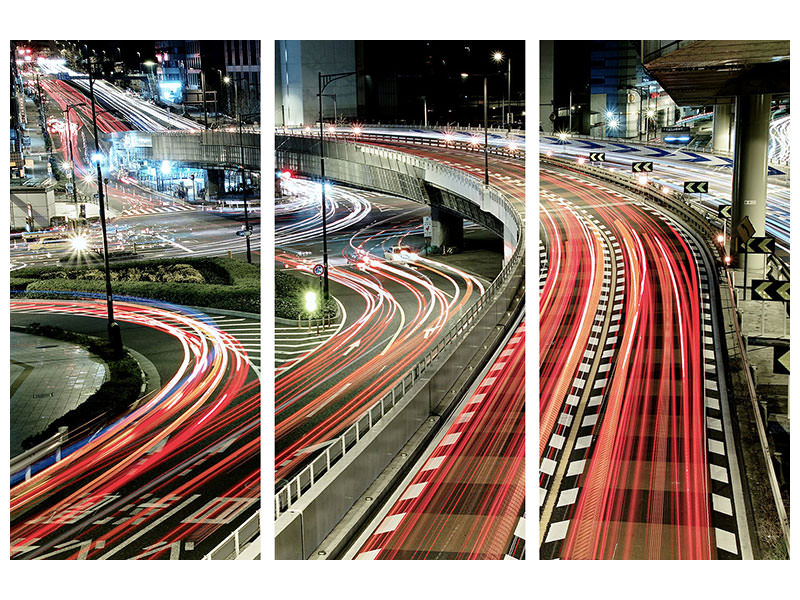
(780, 360)
(725, 212)
(770, 291)
(597, 156)
(695, 187)
(642, 167)
(758, 245)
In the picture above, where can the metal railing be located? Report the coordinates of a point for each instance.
(232, 546)
(301, 483)
(49, 447)
(469, 146)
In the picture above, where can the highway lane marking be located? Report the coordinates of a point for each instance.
(152, 525)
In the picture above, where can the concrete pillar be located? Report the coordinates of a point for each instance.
(216, 182)
(447, 228)
(751, 143)
(721, 135)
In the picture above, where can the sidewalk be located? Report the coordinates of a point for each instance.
(48, 378)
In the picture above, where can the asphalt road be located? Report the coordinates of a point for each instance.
(637, 455)
(392, 313)
(172, 477)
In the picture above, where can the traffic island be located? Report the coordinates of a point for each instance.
(211, 282)
(118, 390)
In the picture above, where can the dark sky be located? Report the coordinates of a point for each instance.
(212, 53)
(396, 74)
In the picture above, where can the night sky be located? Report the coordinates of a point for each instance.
(125, 51)
(396, 74)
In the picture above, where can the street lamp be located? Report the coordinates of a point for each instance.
(498, 58)
(244, 184)
(324, 81)
(114, 333)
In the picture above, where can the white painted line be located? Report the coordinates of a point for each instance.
(719, 473)
(567, 497)
(450, 439)
(576, 467)
(370, 555)
(558, 531)
(726, 540)
(433, 463)
(716, 447)
(413, 491)
(722, 504)
(390, 523)
(548, 466)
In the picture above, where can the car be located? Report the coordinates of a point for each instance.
(400, 254)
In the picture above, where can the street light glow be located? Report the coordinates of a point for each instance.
(97, 157)
(311, 301)
(720, 238)
(497, 56)
(613, 123)
(643, 179)
(79, 243)
(651, 113)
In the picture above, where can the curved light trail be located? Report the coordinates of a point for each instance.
(467, 495)
(199, 432)
(625, 464)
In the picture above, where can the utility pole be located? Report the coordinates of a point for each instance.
(485, 130)
(114, 333)
(244, 192)
(321, 88)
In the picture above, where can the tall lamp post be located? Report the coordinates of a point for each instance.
(244, 184)
(322, 82)
(114, 333)
(498, 58)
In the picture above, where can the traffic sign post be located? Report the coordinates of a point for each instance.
(597, 156)
(319, 270)
(642, 167)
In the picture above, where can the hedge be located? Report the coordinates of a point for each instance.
(114, 396)
(218, 282)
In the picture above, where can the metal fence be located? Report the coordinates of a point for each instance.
(454, 144)
(233, 546)
(301, 483)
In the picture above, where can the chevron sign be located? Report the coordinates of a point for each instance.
(695, 187)
(725, 212)
(758, 245)
(597, 156)
(774, 291)
(780, 361)
(642, 167)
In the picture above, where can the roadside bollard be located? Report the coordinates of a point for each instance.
(230, 253)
